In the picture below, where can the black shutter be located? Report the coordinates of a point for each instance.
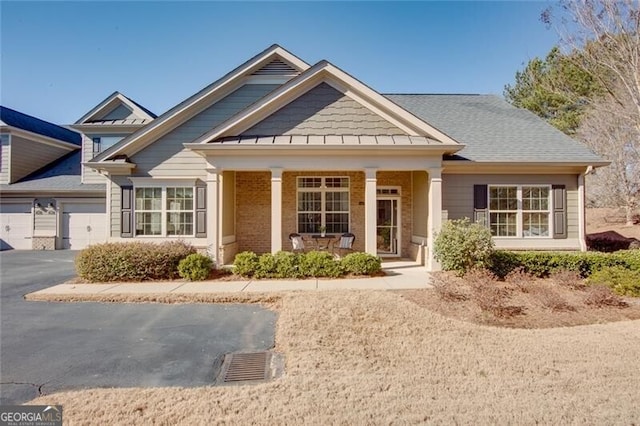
(559, 211)
(480, 204)
(126, 212)
(201, 212)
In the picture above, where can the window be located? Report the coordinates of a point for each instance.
(519, 211)
(323, 201)
(176, 218)
(101, 143)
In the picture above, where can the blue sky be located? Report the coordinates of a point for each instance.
(59, 59)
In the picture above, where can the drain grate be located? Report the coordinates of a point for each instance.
(243, 367)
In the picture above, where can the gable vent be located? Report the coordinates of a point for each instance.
(277, 67)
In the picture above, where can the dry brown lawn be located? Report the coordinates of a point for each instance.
(377, 358)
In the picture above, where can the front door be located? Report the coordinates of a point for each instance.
(388, 238)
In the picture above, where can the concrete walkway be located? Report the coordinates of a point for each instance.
(401, 274)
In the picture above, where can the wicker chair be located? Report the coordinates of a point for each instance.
(344, 244)
(297, 243)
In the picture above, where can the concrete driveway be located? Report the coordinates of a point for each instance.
(47, 347)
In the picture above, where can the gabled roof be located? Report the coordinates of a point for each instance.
(325, 72)
(61, 175)
(194, 104)
(32, 124)
(98, 113)
(496, 131)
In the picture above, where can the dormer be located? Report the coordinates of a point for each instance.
(113, 119)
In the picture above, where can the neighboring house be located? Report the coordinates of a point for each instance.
(48, 200)
(279, 146)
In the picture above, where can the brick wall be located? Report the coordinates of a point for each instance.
(253, 211)
(253, 207)
(290, 209)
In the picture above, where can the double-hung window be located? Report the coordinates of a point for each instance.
(323, 201)
(164, 211)
(520, 210)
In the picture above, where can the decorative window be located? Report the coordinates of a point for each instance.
(164, 211)
(519, 211)
(323, 201)
(101, 143)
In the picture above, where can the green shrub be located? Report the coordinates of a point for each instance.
(319, 264)
(288, 265)
(361, 264)
(195, 267)
(542, 264)
(502, 263)
(624, 282)
(135, 261)
(461, 246)
(266, 266)
(245, 264)
(631, 258)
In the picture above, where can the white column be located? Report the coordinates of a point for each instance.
(276, 210)
(581, 212)
(435, 215)
(213, 212)
(370, 245)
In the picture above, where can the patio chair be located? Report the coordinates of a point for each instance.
(297, 243)
(344, 244)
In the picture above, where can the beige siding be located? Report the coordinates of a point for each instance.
(229, 204)
(28, 156)
(168, 157)
(116, 202)
(5, 153)
(324, 111)
(45, 220)
(457, 193)
(420, 204)
(89, 175)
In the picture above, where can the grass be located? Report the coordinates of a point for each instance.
(357, 357)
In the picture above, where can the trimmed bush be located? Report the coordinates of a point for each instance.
(543, 264)
(622, 281)
(245, 264)
(288, 265)
(320, 264)
(195, 267)
(361, 264)
(461, 246)
(266, 266)
(135, 261)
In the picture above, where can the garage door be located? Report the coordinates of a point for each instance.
(83, 224)
(16, 228)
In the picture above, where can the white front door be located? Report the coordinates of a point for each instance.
(15, 226)
(388, 226)
(83, 224)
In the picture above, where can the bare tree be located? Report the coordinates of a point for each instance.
(603, 38)
(606, 130)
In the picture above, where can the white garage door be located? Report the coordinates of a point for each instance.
(15, 231)
(83, 224)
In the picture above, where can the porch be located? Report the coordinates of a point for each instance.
(389, 211)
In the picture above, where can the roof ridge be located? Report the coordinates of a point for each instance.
(68, 135)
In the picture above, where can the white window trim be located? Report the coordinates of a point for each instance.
(520, 211)
(163, 211)
(323, 190)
